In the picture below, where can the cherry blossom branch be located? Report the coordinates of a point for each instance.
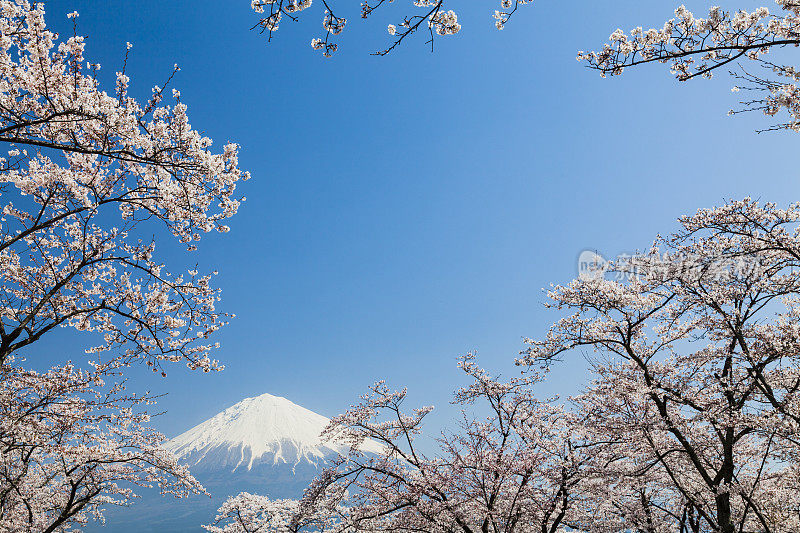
(696, 47)
(438, 20)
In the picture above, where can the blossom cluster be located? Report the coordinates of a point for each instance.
(88, 174)
(698, 46)
(434, 16)
(73, 442)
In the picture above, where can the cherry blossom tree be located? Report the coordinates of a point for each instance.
(694, 408)
(433, 17)
(87, 173)
(79, 159)
(514, 470)
(739, 41)
(70, 444)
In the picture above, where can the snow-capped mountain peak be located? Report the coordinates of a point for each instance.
(264, 430)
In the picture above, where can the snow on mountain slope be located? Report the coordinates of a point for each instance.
(263, 431)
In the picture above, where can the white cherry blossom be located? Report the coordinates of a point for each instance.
(737, 41)
(431, 15)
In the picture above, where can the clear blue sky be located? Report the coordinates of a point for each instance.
(406, 209)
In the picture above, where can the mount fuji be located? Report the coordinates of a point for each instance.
(258, 434)
(266, 444)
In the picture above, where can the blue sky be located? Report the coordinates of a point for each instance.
(406, 209)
